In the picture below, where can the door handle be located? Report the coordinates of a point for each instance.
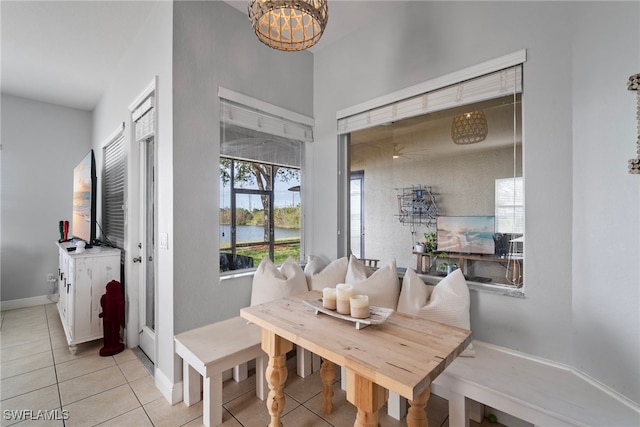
(137, 259)
(150, 258)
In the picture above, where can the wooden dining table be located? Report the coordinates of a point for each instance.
(403, 354)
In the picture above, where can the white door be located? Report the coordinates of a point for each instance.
(147, 247)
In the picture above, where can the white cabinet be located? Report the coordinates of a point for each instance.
(82, 281)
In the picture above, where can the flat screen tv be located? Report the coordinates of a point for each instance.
(466, 234)
(83, 223)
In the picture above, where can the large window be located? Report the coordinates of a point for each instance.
(259, 213)
(460, 136)
(260, 181)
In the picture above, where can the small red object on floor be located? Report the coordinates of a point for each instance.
(113, 318)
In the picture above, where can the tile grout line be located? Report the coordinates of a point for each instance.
(134, 393)
(53, 360)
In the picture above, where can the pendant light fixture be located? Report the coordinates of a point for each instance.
(288, 25)
(469, 128)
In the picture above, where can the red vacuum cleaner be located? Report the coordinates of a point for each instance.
(112, 318)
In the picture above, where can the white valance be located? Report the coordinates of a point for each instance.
(241, 110)
(494, 85)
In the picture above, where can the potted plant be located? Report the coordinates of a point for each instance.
(446, 267)
(430, 242)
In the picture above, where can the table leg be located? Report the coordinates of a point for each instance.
(416, 416)
(328, 374)
(276, 373)
(367, 396)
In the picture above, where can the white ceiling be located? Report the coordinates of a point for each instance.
(63, 52)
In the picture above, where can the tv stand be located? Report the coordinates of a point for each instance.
(82, 280)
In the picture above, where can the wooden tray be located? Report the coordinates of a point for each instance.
(377, 315)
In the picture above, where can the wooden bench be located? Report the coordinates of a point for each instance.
(212, 349)
(540, 392)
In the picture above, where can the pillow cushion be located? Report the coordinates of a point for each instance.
(270, 283)
(414, 294)
(314, 265)
(382, 286)
(329, 276)
(357, 271)
(448, 302)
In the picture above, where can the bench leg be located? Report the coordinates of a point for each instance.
(396, 406)
(262, 388)
(304, 359)
(458, 410)
(316, 362)
(190, 384)
(212, 401)
(240, 372)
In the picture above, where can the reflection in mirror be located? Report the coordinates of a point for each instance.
(481, 178)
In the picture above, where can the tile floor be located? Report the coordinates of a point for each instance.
(40, 379)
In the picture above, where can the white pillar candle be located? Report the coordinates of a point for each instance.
(329, 298)
(343, 293)
(359, 306)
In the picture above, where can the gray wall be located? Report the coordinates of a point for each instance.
(41, 145)
(566, 291)
(214, 46)
(148, 57)
(606, 209)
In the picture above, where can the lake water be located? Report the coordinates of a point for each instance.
(253, 233)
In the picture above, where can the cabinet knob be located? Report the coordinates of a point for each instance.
(137, 259)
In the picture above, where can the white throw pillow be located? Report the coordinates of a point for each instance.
(357, 271)
(329, 277)
(414, 294)
(314, 265)
(448, 303)
(382, 287)
(271, 283)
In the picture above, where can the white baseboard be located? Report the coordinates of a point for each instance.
(594, 382)
(24, 302)
(171, 391)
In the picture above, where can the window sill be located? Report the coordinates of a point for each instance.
(235, 274)
(496, 289)
(492, 288)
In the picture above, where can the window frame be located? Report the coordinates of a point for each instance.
(387, 108)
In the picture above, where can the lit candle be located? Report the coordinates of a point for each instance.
(329, 298)
(343, 293)
(359, 306)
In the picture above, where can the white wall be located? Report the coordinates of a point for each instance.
(424, 40)
(149, 55)
(41, 145)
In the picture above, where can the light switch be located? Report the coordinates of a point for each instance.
(164, 241)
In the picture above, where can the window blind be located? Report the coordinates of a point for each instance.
(509, 208)
(143, 116)
(113, 191)
(232, 113)
(489, 86)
